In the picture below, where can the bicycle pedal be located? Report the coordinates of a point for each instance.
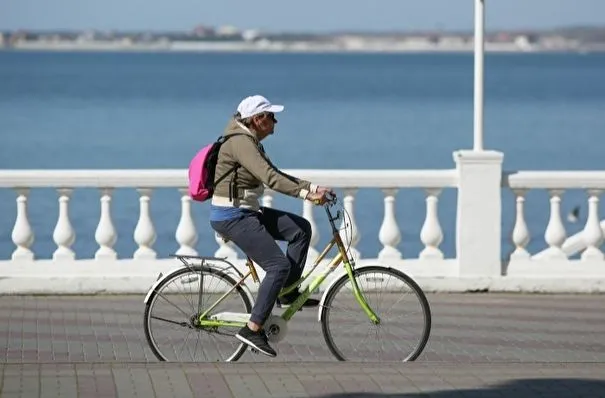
(254, 350)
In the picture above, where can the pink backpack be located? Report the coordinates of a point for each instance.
(202, 168)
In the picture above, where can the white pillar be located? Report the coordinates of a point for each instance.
(431, 234)
(22, 235)
(479, 55)
(593, 235)
(64, 234)
(308, 214)
(389, 234)
(521, 236)
(144, 232)
(186, 234)
(555, 234)
(478, 218)
(106, 234)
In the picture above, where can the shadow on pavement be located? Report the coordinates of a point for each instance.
(556, 388)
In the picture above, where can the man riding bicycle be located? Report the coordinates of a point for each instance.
(236, 213)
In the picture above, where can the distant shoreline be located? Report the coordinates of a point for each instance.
(276, 47)
(232, 39)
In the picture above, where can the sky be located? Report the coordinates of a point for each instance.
(284, 15)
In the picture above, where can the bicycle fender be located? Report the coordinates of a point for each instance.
(159, 280)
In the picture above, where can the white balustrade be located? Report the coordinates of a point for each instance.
(144, 233)
(186, 234)
(106, 234)
(593, 235)
(64, 234)
(430, 262)
(560, 247)
(389, 234)
(22, 235)
(521, 235)
(431, 234)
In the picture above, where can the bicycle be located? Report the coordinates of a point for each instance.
(216, 319)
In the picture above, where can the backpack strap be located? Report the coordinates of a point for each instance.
(224, 139)
(231, 170)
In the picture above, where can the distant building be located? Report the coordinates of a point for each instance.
(227, 31)
(203, 31)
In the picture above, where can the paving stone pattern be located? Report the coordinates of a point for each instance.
(302, 379)
(483, 345)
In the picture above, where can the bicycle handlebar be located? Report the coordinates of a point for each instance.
(331, 200)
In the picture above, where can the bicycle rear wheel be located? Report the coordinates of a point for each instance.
(172, 310)
(400, 304)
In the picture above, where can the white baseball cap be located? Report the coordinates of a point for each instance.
(256, 104)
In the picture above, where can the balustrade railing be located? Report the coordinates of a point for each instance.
(478, 261)
(559, 246)
(145, 181)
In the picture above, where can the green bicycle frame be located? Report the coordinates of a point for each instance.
(341, 257)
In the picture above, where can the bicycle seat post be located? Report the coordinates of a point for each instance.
(252, 268)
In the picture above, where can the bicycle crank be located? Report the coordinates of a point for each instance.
(276, 328)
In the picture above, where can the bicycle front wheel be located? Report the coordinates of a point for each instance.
(172, 310)
(399, 303)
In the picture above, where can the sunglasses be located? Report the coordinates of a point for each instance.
(270, 115)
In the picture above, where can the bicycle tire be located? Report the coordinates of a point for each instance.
(197, 270)
(327, 328)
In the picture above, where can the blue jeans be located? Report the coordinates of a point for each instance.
(256, 234)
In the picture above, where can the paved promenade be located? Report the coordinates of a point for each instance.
(481, 345)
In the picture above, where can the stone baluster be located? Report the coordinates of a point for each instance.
(186, 234)
(144, 233)
(389, 234)
(106, 234)
(64, 234)
(431, 234)
(521, 235)
(226, 249)
(593, 234)
(267, 200)
(308, 214)
(555, 231)
(348, 230)
(22, 235)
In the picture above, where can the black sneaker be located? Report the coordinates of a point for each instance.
(289, 298)
(257, 340)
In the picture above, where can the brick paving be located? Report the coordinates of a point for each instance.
(481, 345)
(302, 379)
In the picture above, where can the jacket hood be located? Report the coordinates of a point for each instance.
(233, 127)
